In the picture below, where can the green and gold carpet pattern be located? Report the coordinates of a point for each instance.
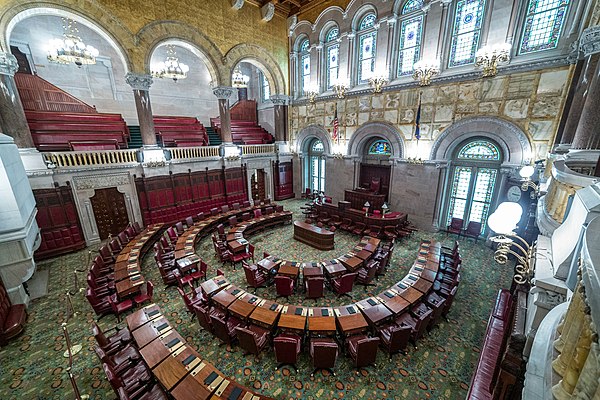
(32, 366)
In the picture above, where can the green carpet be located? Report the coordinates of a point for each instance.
(32, 366)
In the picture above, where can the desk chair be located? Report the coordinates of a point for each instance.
(287, 348)
(473, 230)
(314, 287)
(456, 226)
(284, 286)
(363, 350)
(225, 330)
(252, 339)
(343, 285)
(324, 352)
(394, 338)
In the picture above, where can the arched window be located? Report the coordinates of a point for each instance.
(332, 52)
(468, 21)
(472, 182)
(543, 25)
(265, 88)
(411, 30)
(316, 166)
(380, 148)
(304, 72)
(367, 43)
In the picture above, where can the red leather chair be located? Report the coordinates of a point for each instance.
(190, 299)
(418, 324)
(473, 230)
(189, 221)
(137, 227)
(449, 301)
(394, 338)
(347, 224)
(100, 305)
(149, 392)
(224, 208)
(112, 343)
(183, 280)
(133, 389)
(362, 349)
(126, 364)
(12, 317)
(115, 247)
(144, 297)
(324, 352)
(232, 221)
(287, 348)
(359, 228)
(123, 239)
(257, 213)
(167, 274)
(106, 255)
(456, 226)
(130, 232)
(324, 218)
(284, 285)
(366, 275)
(314, 287)
(335, 221)
(389, 232)
(254, 277)
(119, 307)
(437, 304)
(252, 339)
(225, 330)
(179, 228)
(343, 285)
(172, 234)
(200, 272)
(373, 231)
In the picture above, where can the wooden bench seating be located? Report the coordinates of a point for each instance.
(172, 129)
(59, 141)
(168, 139)
(46, 116)
(100, 144)
(12, 317)
(486, 371)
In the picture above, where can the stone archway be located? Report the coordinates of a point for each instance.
(382, 129)
(313, 131)
(514, 142)
(243, 52)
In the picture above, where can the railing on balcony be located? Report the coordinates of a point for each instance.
(70, 159)
(249, 150)
(181, 153)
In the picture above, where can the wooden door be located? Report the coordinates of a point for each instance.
(110, 212)
(258, 185)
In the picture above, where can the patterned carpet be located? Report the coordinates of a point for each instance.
(33, 367)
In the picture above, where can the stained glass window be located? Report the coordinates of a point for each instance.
(380, 148)
(316, 166)
(366, 56)
(410, 44)
(479, 150)
(304, 66)
(468, 21)
(482, 195)
(412, 5)
(265, 88)
(543, 24)
(304, 46)
(332, 52)
(367, 22)
(460, 192)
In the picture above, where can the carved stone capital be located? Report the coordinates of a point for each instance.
(138, 81)
(280, 99)
(589, 42)
(8, 64)
(224, 92)
(267, 11)
(237, 4)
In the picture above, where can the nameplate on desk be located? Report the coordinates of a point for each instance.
(252, 300)
(372, 302)
(388, 294)
(351, 310)
(172, 343)
(401, 285)
(198, 369)
(178, 350)
(412, 277)
(419, 269)
(260, 303)
(421, 260)
(165, 334)
(325, 313)
(190, 362)
(362, 307)
(136, 277)
(310, 313)
(226, 287)
(132, 273)
(162, 327)
(221, 282)
(235, 394)
(151, 313)
(215, 384)
(298, 311)
(210, 378)
(222, 387)
(337, 312)
(236, 291)
(285, 308)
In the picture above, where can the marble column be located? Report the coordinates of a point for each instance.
(223, 93)
(586, 136)
(12, 116)
(579, 98)
(140, 83)
(280, 109)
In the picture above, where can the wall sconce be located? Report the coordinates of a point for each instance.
(504, 221)
(527, 172)
(378, 82)
(415, 161)
(311, 92)
(489, 57)
(366, 208)
(425, 70)
(340, 87)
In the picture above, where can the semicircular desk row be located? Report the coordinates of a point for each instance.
(178, 367)
(345, 320)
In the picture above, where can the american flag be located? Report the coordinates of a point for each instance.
(336, 126)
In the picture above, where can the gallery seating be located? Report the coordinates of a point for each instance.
(287, 348)
(324, 352)
(12, 317)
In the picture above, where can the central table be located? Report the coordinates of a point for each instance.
(314, 236)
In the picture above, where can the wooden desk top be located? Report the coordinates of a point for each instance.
(295, 322)
(157, 350)
(149, 332)
(397, 304)
(172, 370)
(214, 285)
(351, 263)
(318, 322)
(264, 316)
(129, 286)
(289, 270)
(410, 294)
(236, 246)
(374, 311)
(142, 316)
(422, 285)
(125, 273)
(241, 308)
(311, 272)
(312, 228)
(193, 386)
(335, 269)
(224, 298)
(364, 254)
(352, 323)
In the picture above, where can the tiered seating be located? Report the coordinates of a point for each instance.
(63, 131)
(245, 132)
(12, 317)
(482, 384)
(180, 131)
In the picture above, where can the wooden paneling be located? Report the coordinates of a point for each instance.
(244, 110)
(39, 94)
(110, 211)
(368, 172)
(58, 221)
(172, 198)
(283, 177)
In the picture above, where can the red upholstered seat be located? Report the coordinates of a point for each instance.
(12, 317)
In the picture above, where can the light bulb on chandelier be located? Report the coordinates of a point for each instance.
(171, 67)
(71, 49)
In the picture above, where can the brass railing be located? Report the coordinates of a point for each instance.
(180, 153)
(69, 159)
(248, 150)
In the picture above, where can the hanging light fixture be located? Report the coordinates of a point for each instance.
(489, 57)
(425, 70)
(71, 49)
(171, 67)
(238, 79)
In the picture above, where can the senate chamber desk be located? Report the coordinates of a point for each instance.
(314, 236)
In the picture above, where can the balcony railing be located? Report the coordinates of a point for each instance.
(250, 150)
(182, 153)
(71, 159)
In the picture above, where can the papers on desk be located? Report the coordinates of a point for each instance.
(198, 369)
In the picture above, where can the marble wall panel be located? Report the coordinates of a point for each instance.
(540, 130)
(516, 108)
(489, 107)
(553, 82)
(363, 117)
(447, 94)
(364, 103)
(521, 86)
(376, 116)
(468, 91)
(547, 107)
(406, 131)
(377, 102)
(406, 115)
(392, 100)
(351, 119)
(493, 88)
(391, 116)
(444, 113)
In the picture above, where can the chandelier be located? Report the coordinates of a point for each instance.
(71, 49)
(238, 79)
(171, 67)
(489, 57)
(425, 70)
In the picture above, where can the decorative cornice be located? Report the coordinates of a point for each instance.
(8, 64)
(100, 181)
(138, 81)
(589, 42)
(237, 4)
(280, 99)
(224, 92)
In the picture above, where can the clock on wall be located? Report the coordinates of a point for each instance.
(514, 194)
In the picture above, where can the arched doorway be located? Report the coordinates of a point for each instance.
(315, 166)
(472, 181)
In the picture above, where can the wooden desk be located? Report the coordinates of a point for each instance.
(374, 311)
(188, 263)
(350, 323)
(142, 316)
(224, 299)
(264, 316)
(149, 332)
(242, 308)
(129, 286)
(357, 199)
(410, 294)
(335, 270)
(314, 236)
(396, 303)
(172, 370)
(320, 324)
(289, 320)
(157, 350)
(125, 273)
(352, 263)
(364, 254)
(268, 266)
(213, 285)
(289, 270)
(193, 386)
(236, 246)
(311, 272)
